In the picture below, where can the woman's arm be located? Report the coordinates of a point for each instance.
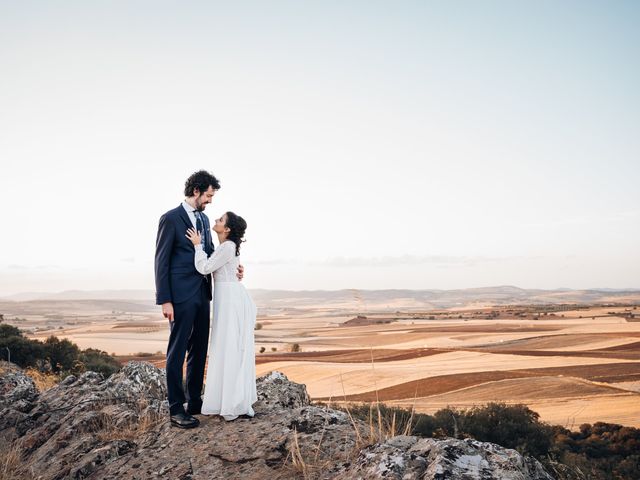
(222, 255)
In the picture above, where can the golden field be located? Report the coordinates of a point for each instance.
(572, 367)
(572, 364)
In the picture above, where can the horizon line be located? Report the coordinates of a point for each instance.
(123, 290)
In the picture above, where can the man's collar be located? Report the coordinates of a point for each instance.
(188, 207)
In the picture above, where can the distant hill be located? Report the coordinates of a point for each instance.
(83, 295)
(375, 299)
(438, 299)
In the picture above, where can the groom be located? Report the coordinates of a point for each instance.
(185, 296)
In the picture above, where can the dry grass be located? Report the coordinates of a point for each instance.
(380, 427)
(308, 465)
(107, 428)
(297, 458)
(6, 367)
(43, 381)
(110, 429)
(11, 466)
(384, 428)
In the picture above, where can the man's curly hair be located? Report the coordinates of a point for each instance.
(200, 180)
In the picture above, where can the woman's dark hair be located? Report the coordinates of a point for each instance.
(201, 180)
(237, 227)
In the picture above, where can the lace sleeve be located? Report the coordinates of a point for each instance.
(222, 255)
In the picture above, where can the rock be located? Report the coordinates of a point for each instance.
(18, 393)
(140, 381)
(275, 391)
(17, 390)
(99, 456)
(89, 427)
(10, 418)
(410, 458)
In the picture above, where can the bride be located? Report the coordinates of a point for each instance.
(230, 389)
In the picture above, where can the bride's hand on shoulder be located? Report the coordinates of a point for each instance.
(193, 236)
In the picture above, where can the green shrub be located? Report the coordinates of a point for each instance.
(606, 450)
(7, 331)
(99, 361)
(59, 356)
(62, 355)
(512, 426)
(23, 352)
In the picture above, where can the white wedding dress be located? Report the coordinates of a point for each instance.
(230, 388)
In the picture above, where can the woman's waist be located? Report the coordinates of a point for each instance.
(224, 283)
(229, 290)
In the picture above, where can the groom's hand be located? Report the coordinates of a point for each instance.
(240, 273)
(167, 311)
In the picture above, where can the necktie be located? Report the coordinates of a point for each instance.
(200, 227)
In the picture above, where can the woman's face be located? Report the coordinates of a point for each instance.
(221, 224)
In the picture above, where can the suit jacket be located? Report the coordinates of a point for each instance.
(177, 279)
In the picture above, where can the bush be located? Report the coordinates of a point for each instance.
(514, 426)
(23, 352)
(608, 450)
(7, 331)
(99, 361)
(62, 355)
(59, 356)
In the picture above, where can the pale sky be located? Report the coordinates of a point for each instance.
(368, 144)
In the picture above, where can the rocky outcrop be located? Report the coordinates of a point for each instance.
(89, 427)
(17, 390)
(410, 458)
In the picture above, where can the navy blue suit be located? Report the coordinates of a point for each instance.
(178, 282)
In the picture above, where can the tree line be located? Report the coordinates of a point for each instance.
(58, 356)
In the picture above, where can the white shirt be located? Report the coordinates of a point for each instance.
(190, 210)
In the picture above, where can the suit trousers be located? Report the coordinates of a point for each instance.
(190, 336)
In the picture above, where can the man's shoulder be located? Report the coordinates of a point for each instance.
(173, 212)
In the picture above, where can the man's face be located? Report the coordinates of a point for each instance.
(204, 199)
